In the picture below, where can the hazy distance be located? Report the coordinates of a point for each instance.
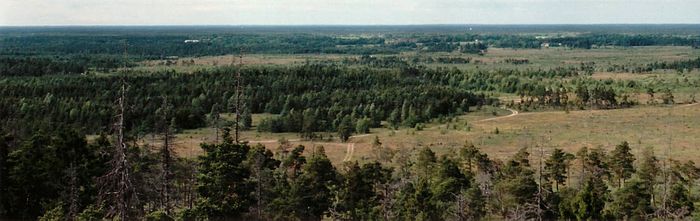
(345, 12)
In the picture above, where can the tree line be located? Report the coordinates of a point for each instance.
(158, 45)
(238, 181)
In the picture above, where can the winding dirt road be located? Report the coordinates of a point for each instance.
(513, 113)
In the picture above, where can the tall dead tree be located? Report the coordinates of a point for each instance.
(541, 192)
(666, 165)
(166, 154)
(116, 189)
(215, 118)
(73, 192)
(238, 95)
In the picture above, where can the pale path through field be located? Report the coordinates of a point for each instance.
(351, 146)
(513, 113)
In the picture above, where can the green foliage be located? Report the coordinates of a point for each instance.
(222, 185)
(667, 97)
(42, 167)
(395, 119)
(48, 171)
(55, 214)
(474, 207)
(380, 152)
(516, 184)
(37, 66)
(345, 128)
(91, 213)
(648, 168)
(621, 162)
(362, 126)
(680, 204)
(356, 197)
(5, 145)
(556, 167)
(425, 162)
(632, 201)
(590, 200)
(158, 215)
(307, 195)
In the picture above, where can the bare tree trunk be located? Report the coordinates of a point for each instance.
(115, 186)
(73, 193)
(167, 159)
(238, 96)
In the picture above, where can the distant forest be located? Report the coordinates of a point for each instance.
(75, 102)
(160, 42)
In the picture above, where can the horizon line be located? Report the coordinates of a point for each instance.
(330, 25)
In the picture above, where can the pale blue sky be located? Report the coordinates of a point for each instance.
(331, 12)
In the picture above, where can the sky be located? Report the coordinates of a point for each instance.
(345, 12)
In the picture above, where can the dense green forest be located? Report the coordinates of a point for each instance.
(238, 181)
(160, 42)
(319, 95)
(324, 94)
(76, 103)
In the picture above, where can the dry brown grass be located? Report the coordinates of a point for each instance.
(642, 127)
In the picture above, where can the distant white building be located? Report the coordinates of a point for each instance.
(191, 41)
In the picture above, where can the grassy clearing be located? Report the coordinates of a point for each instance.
(183, 64)
(554, 57)
(650, 126)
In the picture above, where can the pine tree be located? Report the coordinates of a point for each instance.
(648, 170)
(312, 187)
(469, 154)
(425, 162)
(345, 128)
(309, 124)
(246, 118)
(222, 180)
(395, 119)
(556, 167)
(356, 198)
(262, 166)
(680, 204)
(362, 126)
(470, 204)
(446, 183)
(591, 198)
(516, 185)
(632, 201)
(621, 163)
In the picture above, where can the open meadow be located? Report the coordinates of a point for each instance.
(650, 126)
